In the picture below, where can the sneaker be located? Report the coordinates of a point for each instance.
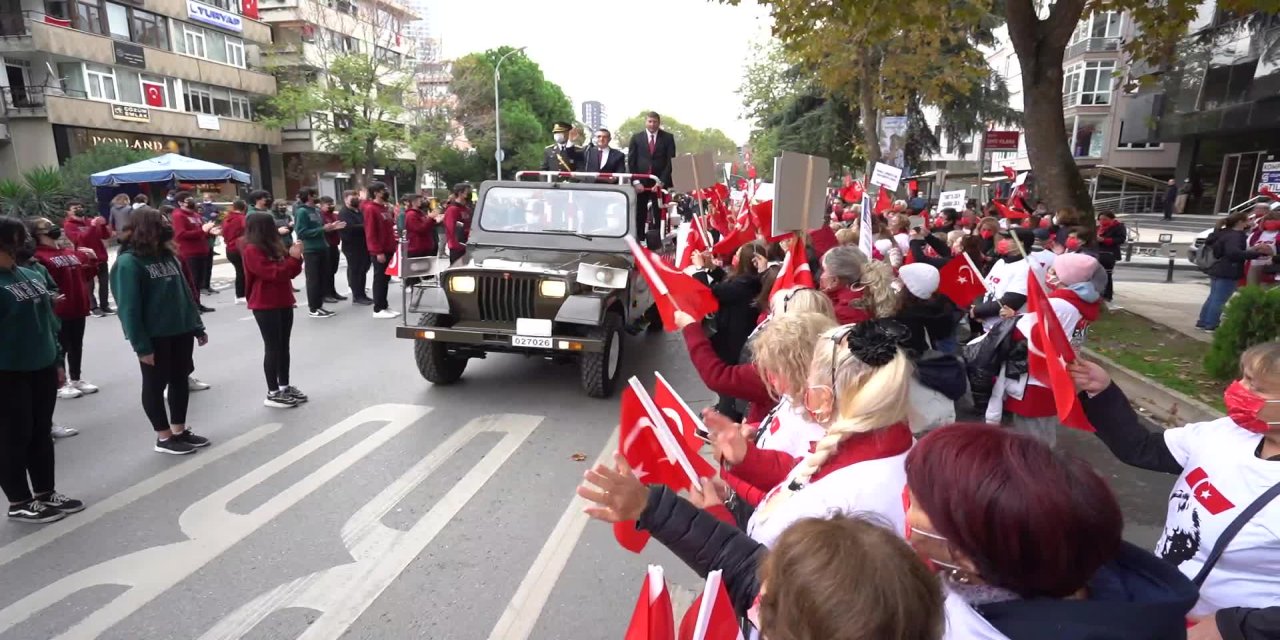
(241, 301)
(204, 309)
(174, 446)
(109, 311)
(337, 296)
(188, 437)
(294, 394)
(194, 384)
(386, 314)
(60, 431)
(322, 313)
(278, 400)
(34, 512)
(68, 391)
(98, 313)
(331, 299)
(1113, 306)
(84, 387)
(62, 503)
(364, 302)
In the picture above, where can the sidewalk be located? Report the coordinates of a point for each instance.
(1173, 304)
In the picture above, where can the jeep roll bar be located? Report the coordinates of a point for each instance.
(618, 177)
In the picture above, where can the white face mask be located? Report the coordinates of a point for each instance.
(560, 138)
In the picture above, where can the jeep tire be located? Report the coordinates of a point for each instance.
(600, 371)
(433, 359)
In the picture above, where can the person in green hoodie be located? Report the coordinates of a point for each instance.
(159, 316)
(30, 374)
(310, 226)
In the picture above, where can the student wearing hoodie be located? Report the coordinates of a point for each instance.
(310, 226)
(354, 248)
(70, 271)
(457, 221)
(380, 240)
(232, 233)
(191, 234)
(270, 269)
(1224, 467)
(30, 369)
(90, 231)
(161, 320)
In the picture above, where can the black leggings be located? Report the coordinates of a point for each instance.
(234, 259)
(315, 264)
(71, 337)
(330, 287)
(195, 269)
(276, 326)
(381, 281)
(357, 271)
(104, 287)
(173, 364)
(27, 399)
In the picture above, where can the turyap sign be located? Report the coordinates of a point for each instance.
(214, 16)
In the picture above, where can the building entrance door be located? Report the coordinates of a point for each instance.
(1239, 180)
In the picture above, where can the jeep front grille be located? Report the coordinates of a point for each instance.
(505, 297)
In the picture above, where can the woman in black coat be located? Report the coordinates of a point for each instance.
(1227, 244)
(736, 290)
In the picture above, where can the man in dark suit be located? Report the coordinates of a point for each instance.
(651, 151)
(601, 158)
(563, 155)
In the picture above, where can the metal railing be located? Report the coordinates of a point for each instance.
(1249, 204)
(23, 100)
(1128, 203)
(1092, 45)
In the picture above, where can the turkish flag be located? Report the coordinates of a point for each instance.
(1007, 213)
(682, 419)
(249, 8)
(795, 272)
(741, 233)
(959, 281)
(1207, 494)
(751, 172)
(153, 94)
(762, 217)
(672, 289)
(711, 616)
(693, 242)
(1049, 353)
(653, 618)
(852, 191)
(884, 201)
(1010, 173)
(1269, 193)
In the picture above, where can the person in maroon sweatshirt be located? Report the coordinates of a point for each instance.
(329, 211)
(192, 234)
(88, 230)
(71, 270)
(420, 227)
(380, 238)
(269, 273)
(457, 221)
(232, 232)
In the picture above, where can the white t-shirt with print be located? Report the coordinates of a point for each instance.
(1005, 277)
(965, 623)
(787, 430)
(1221, 476)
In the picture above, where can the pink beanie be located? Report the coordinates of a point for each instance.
(1074, 268)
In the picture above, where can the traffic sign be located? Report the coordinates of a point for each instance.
(499, 155)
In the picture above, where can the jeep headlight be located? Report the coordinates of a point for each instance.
(462, 284)
(552, 288)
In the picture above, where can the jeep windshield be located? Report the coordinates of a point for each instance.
(588, 214)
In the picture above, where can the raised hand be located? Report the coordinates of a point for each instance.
(618, 495)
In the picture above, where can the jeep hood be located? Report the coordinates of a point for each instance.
(539, 260)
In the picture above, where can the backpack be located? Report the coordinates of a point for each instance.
(1208, 254)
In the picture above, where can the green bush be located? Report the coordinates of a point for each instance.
(41, 192)
(1251, 317)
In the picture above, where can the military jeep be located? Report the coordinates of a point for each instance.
(548, 273)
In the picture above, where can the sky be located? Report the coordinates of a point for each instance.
(688, 65)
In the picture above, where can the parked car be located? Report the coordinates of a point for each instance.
(1198, 245)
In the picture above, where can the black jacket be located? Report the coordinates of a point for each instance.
(1229, 246)
(736, 318)
(353, 234)
(639, 159)
(939, 247)
(553, 154)
(936, 318)
(615, 163)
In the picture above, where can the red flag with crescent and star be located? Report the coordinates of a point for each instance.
(653, 618)
(153, 94)
(1049, 353)
(959, 281)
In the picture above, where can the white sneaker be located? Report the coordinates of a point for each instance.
(194, 384)
(385, 314)
(60, 431)
(241, 301)
(1113, 306)
(84, 387)
(68, 391)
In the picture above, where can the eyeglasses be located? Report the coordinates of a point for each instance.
(954, 568)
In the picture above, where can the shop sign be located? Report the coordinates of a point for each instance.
(85, 139)
(206, 121)
(1000, 141)
(1270, 177)
(129, 54)
(130, 113)
(220, 18)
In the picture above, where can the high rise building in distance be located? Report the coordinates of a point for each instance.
(593, 114)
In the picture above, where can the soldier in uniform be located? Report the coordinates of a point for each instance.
(563, 155)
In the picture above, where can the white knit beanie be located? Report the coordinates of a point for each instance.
(921, 279)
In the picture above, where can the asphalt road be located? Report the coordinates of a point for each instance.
(383, 509)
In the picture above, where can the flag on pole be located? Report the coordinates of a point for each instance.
(683, 420)
(884, 201)
(693, 242)
(711, 616)
(653, 617)
(1049, 353)
(673, 290)
(393, 267)
(866, 238)
(960, 281)
(1010, 173)
(795, 272)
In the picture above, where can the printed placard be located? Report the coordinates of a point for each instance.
(886, 176)
(951, 200)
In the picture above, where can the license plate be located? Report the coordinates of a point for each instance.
(527, 341)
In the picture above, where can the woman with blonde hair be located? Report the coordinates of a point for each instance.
(803, 301)
(859, 288)
(782, 353)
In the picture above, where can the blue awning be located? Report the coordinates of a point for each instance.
(167, 168)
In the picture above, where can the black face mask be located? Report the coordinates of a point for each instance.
(53, 233)
(166, 233)
(26, 252)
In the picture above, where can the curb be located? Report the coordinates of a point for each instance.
(1156, 265)
(1163, 406)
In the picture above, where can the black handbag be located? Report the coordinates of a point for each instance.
(942, 372)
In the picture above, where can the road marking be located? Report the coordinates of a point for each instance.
(95, 512)
(210, 527)
(341, 594)
(531, 596)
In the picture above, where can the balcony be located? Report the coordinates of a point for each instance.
(23, 102)
(94, 114)
(1092, 45)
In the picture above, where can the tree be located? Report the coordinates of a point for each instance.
(357, 104)
(530, 103)
(689, 139)
(77, 169)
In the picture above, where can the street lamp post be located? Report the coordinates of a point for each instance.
(497, 113)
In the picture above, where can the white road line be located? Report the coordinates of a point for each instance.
(341, 594)
(96, 511)
(531, 596)
(211, 529)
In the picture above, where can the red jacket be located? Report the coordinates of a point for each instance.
(331, 237)
(422, 233)
(71, 271)
(233, 230)
(268, 283)
(737, 380)
(765, 469)
(823, 240)
(188, 232)
(456, 215)
(83, 233)
(379, 228)
(842, 299)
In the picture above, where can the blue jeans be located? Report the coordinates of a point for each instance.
(1220, 291)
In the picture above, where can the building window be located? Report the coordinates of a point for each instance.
(193, 41)
(101, 81)
(235, 52)
(155, 92)
(1088, 83)
(118, 21)
(149, 29)
(59, 9)
(1134, 145)
(240, 107)
(199, 98)
(1100, 24)
(229, 5)
(88, 17)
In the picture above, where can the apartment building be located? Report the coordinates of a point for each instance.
(308, 35)
(594, 115)
(161, 75)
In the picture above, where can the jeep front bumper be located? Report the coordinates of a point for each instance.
(496, 340)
